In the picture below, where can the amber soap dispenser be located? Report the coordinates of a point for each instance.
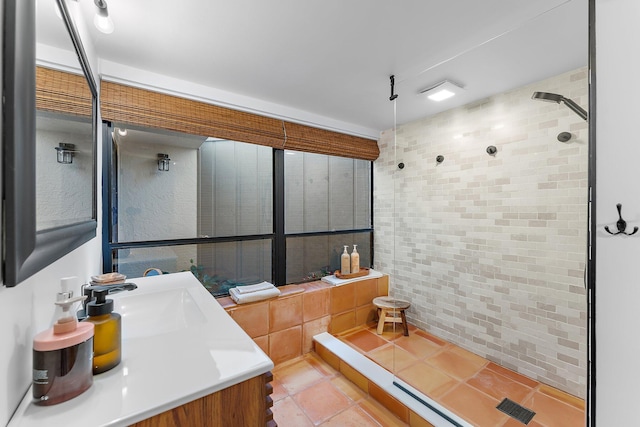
(108, 335)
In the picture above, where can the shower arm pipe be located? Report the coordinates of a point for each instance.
(575, 108)
(554, 97)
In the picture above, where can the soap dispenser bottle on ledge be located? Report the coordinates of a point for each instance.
(355, 260)
(345, 262)
(108, 335)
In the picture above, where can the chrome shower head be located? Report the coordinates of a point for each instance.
(554, 97)
(546, 96)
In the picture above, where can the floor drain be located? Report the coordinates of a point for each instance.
(516, 411)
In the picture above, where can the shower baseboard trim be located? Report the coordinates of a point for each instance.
(413, 399)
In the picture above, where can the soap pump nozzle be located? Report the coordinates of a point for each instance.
(66, 320)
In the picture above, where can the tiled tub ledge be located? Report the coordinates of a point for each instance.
(284, 327)
(379, 384)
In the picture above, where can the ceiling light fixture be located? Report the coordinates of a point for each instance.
(102, 21)
(441, 91)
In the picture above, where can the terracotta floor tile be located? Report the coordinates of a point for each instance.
(352, 417)
(365, 340)
(453, 364)
(427, 379)
(320, 365)
(287, 413)
(460, 380)
(472, 357)
(554, 413)
(513, 375)
(562, 396)
(391, 331)
(499, 386)
(279, 392)
(380, 413)
(351, 390)
(474, 406)
(392, 357)
(296, 376)
(322, 401)
(432, 338)
(515, 423)
(418, 345)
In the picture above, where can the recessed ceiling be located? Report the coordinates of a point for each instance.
(333, 58)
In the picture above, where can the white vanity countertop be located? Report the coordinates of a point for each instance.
(178, 344)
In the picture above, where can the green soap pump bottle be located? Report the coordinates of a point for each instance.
(108, 336)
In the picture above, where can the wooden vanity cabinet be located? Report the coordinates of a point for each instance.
(243, 405)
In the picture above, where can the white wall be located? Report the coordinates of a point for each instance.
(618, 174)
(490, 250)
(28, 308)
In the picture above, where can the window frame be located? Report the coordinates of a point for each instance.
(278, 236)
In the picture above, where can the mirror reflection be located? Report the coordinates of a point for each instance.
(49, 211)
(64, 191)
(64, 169)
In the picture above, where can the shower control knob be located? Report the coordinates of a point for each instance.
(564, 136)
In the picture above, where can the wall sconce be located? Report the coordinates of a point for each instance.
(163, 162)
(101, 20)
(65, 153)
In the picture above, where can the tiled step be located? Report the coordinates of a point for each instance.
(417, 410)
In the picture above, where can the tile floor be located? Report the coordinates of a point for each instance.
(309, 392)
(463, 382)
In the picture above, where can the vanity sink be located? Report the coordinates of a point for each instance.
(178, 345)
(157, 311)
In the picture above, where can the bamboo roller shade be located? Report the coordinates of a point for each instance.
(63, 92)
(141, 107)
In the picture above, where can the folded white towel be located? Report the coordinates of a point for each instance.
(240, 298)
(333, 280)
(254, 288)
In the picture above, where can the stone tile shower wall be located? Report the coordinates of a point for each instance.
(490, 250)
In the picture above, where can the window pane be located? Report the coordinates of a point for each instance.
(308, 258)
(218, 266)
(236, 196)
(154, 204)
(213, 188)
(326, 193)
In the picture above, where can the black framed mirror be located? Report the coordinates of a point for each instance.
(26, 248)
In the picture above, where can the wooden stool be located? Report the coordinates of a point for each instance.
(388, 309)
